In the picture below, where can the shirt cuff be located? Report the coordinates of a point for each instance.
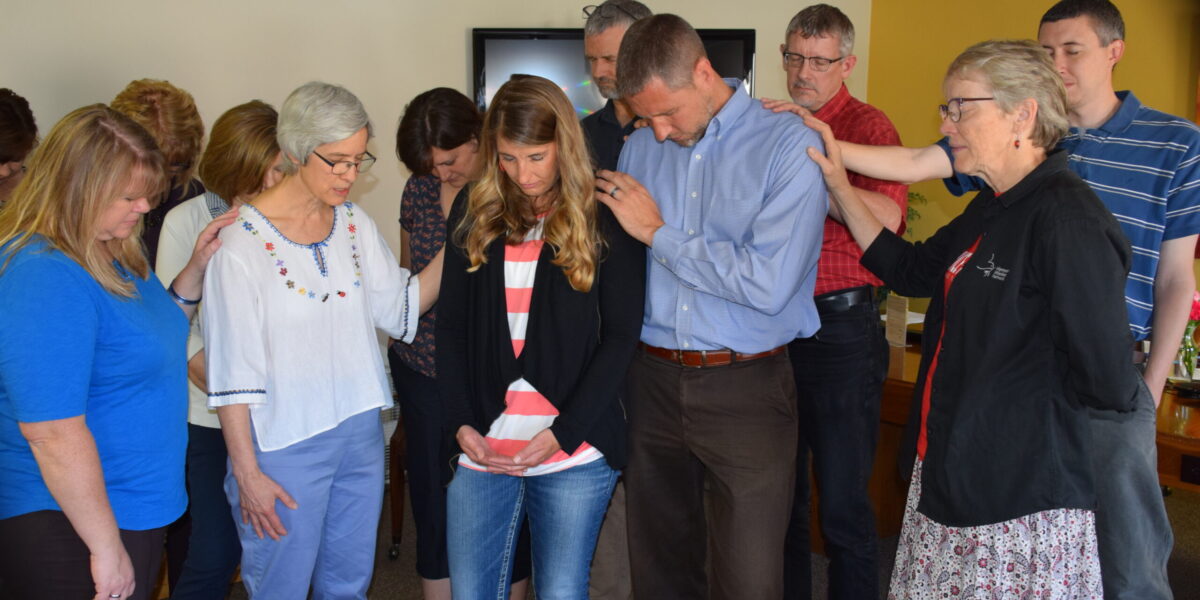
(666, 245)
(231, 397)
(412, 309)
(958, 183)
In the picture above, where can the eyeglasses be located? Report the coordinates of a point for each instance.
(816, 63)
(593, 9)
(952, 109)
(342, 167)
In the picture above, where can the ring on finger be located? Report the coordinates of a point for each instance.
(613, 191)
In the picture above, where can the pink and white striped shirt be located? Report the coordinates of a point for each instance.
(527, 412)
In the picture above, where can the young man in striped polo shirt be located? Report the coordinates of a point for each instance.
(1145, 166)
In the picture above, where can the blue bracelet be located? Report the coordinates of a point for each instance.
(180, 299)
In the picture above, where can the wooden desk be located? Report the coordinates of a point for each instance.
(1179, 442)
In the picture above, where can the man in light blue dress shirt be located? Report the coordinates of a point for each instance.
(732, 211)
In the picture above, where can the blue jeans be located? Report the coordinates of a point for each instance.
(839, 380)
(213, 547)
(485, 512)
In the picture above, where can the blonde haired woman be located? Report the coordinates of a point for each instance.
(539, 316)
(92, 374)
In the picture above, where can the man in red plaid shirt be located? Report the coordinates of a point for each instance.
(840, 370)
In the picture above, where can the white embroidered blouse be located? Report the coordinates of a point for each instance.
(290, 328)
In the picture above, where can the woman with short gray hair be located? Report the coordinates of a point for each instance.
(1026, 334)
(293, 298)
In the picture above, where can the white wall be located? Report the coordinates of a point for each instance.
(62, 54)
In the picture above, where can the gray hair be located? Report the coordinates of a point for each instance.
(1016, 70)
(318, 113)
(614, 13)
(823, 20)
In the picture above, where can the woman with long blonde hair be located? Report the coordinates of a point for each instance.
(539, 317)
(93, 401)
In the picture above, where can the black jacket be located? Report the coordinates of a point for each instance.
(1036, 331)
(577, 345)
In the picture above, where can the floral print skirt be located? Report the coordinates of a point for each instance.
(1047, 555)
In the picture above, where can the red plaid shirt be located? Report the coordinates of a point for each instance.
(854, 121)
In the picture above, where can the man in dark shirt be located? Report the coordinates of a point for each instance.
(607, 128)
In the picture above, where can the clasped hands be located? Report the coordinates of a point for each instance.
(541, 447)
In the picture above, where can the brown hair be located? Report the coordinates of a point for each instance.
(240, 150)
(90, 158)
(439, 118)
(663, 46)
(532, 111)
(170, 115)
(18, 130)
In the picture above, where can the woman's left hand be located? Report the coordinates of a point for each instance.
(208, 242)
(189, 283)
(541, 447)
(831, 162)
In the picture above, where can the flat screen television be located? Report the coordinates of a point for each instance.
(557, 55)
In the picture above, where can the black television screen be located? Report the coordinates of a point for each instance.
(557, 55)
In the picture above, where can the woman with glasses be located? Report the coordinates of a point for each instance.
(171, 117)
(542, 311)
(1026, 332)
(18, 135)
(241, 160)
(292, 301)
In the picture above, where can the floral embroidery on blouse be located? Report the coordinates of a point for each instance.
(318, 255)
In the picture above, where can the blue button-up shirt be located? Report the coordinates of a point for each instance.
(744, 209)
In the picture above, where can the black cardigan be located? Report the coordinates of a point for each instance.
(577, 345)
(1036, 332)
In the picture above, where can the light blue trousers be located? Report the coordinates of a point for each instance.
(336, 478)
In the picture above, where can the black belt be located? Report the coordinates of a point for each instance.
(844, 300)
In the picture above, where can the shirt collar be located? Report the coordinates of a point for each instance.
(834, 105)
(1123, 118)
(1056, 160)
(608, 114)
(734, 108)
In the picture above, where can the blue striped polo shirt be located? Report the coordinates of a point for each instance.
(1144, 165)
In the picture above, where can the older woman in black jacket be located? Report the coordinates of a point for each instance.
(1026, 331)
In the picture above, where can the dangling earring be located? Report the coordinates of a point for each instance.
(1017, 143)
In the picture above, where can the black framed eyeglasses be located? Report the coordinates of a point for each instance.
(342, 167)
(952, 109)
(816, 63)
(592, 9)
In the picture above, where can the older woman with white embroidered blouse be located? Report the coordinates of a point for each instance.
(292, 301)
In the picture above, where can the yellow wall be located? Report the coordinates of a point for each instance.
(912, 42)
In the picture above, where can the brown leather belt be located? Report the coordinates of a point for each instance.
(700, 359)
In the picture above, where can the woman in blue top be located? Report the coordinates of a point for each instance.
(93, 408)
